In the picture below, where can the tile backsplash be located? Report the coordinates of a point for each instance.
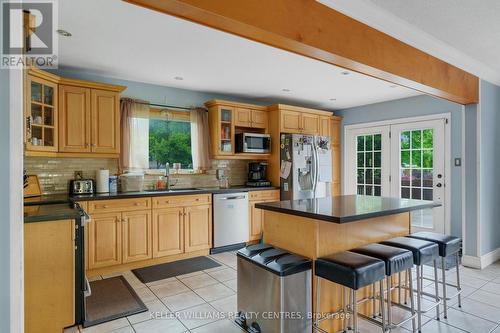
(55, 173)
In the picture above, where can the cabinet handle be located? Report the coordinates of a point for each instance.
(136, 204)
(93, 145)
(197, 199)
(104, 206)
(86, 145)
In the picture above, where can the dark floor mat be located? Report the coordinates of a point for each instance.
(111, 299)
(171, 269)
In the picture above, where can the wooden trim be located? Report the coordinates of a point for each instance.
(330, 36)
(183, 116)
(69, 155)
(215, 102)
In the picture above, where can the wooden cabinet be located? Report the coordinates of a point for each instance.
(105, 240)
(256, 215)
(68, 117)
(324, 126)
(227, 118)
(310, 124)
(249, 118)
(105, 119)
(137, 235)
(336, 154)
(119, 237)
(197, 228)
(182, 224)
(291, 121)
(49, 276)
(74, 119)
(41, 110)
(299, 122)
(168, 231)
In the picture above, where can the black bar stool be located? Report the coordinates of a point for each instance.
(396, 260)
(448, 245)
(423, 252)
(353, 271)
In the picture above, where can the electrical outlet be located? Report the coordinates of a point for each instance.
(79, 174)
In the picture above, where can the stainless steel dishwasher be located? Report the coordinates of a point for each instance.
(230, 221)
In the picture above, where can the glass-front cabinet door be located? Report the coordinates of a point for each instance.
(41, 115)
(226, 128)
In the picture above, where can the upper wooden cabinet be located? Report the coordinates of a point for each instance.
(226, 119)
(41, 108)
(292, 121)
(68, 117)
(250, 118)
(74, 119)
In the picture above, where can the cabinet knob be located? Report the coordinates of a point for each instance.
(93, 145)
(104, 206)
(136, 204)
(86, 145)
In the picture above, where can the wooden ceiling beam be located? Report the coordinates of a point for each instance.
(311, 29)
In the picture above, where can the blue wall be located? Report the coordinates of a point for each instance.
(414, 107)
(470, 181)
(157, 94)
(4, 204)
(489, 195)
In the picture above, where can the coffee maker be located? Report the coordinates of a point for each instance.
(257, 175)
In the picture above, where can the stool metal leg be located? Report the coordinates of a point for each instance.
(382, 305)
(459, 288)
(443, 270)
(317, 314)
(345, 300)
(373, 301)
(436, 287)
(406, 289)
(389, 301)
(419, 300)
(399, 287)
(412, 301)
(354, 311)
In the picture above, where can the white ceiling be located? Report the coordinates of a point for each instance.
(465, 33)
(116, 39)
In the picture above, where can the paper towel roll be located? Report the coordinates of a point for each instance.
(102, 179)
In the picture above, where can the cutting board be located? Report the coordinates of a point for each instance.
(33, 188)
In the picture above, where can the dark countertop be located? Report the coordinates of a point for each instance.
(65, 198)
(346, 208)
(51, 212)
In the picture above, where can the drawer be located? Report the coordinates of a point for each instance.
(118, 205)
(181, 200)
(264, 195)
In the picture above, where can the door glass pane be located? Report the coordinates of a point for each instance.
(48, 95)
(36, 92)
(369, 163)
(416, 153)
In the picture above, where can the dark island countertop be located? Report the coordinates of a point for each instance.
(65, 198)
(51, 212)
(346, 208)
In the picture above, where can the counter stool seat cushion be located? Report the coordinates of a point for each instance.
(396, 259)
(423, 251)
(448, 245)
(352, 270)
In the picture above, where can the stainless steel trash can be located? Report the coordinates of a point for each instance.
(274, 290)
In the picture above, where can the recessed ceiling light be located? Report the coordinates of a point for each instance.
(64, 33)
(345, 73)
(286, 90)
(179, 78)
(333, 99)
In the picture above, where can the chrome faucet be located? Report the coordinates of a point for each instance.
(167, 176)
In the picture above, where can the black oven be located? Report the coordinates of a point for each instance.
(254, 143)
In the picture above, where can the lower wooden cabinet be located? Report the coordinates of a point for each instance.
(49, 276)
(116, 238)
(105, 240)
(168, 231)
(137, 234)
(256, 216)
(197, 228)
(181, 224)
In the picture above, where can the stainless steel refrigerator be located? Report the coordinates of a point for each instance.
(306, 166)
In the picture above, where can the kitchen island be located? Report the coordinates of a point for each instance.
(318, 227)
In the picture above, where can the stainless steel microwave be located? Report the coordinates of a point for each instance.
(253, 143)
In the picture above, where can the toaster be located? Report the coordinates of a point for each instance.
(81, 186)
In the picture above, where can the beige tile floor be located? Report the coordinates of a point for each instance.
(201, 302)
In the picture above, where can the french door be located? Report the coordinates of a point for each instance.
(403, 160)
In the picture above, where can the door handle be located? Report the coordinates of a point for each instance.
(439, 185)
